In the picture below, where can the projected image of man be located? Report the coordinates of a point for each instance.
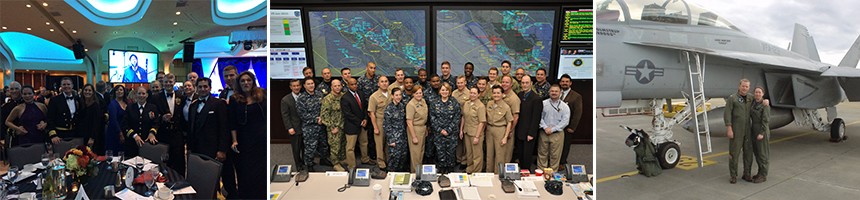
(134, 73)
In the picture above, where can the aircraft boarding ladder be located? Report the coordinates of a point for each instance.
(697, 100)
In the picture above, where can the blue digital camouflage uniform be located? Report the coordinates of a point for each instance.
(368, 86)
(445, 115)
(430, 96)
(394, 127)
(471, 82)
(324, 87)
(332, 117)
(309, 107)
(542, 89)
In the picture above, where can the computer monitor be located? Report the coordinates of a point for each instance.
(576, 62)
(287, 63)
(285, 26)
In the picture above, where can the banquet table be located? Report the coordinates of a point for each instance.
(94, 186)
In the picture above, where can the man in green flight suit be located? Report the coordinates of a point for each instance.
(332, 118)
(737, 119)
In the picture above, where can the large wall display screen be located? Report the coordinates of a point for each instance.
(487, 37)
(132, 66)
(390, 38)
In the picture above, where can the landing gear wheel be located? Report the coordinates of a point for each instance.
(669, 154)
(837, 130)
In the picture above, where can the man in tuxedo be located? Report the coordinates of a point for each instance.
(353, 106)
(528, 125)
(229, 74)
(574, 102)
(61, 113)
(210, 133)
(293, 123)
(14, 100)
(140, 124)
(101, 91)
(167, 102)
(228, 168)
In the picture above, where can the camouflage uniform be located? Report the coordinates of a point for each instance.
(471, 82)
(368, 86)
(486, 96)
(445, 115)
(542, 89)
(395, 132)
(314, 138)
(333, 118)
(324, 87)
(451, 80)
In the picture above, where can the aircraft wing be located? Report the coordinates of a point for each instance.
(784, 62)
(842, 72)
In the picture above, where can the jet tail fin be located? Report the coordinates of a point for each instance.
(803, 44)
(852, 56)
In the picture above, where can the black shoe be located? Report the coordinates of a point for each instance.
(733, 180)
(759, 179)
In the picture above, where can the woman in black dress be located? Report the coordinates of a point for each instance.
(92, 120)
(248, 128)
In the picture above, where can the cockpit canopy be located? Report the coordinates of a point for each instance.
(661, 11)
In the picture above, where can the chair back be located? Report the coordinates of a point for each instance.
(153, 152)
(67, 143)
(26, 154)
(204, 174)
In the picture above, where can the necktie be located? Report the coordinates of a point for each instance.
(69, 98)
(357, 100)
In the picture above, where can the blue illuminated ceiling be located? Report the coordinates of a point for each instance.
(111, 12)
(30, 48)
(236, 12)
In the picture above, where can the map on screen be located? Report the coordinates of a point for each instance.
(487, 37)
(390, 38)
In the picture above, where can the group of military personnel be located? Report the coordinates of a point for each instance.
(442, 119)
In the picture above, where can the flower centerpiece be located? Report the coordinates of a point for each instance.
(80, 162)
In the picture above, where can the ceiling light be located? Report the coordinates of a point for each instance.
(4, 28)
(29, 29)
(45, 4)
(175, 23)
(28, 5)
(62, 22)
(86, 49)
(74, 31)
(178, 13)
(47, 23)
(52, 30)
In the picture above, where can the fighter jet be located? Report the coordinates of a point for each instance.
(659, 50)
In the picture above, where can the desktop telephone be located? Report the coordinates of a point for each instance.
(281, 173)
(510, 171)
(576, 173)
(426, 172)
(359, 177)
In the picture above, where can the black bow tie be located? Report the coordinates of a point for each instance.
(168, 94)
(70, 98)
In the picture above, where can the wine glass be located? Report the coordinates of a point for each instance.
(13, 176)
(109, 159)
(164, 159)
(46, 159)
(150, 181)
(138, 162)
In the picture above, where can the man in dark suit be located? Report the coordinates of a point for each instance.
(134, 73)
(61, 113)
(140, 124)
(209, 132)
(354, 118)
(574, 101)
(101, 91)
(229, 74)
(528, 125)
(229, 164)
(292, 122)
(170, 134)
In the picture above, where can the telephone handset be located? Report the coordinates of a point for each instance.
(576, 173)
